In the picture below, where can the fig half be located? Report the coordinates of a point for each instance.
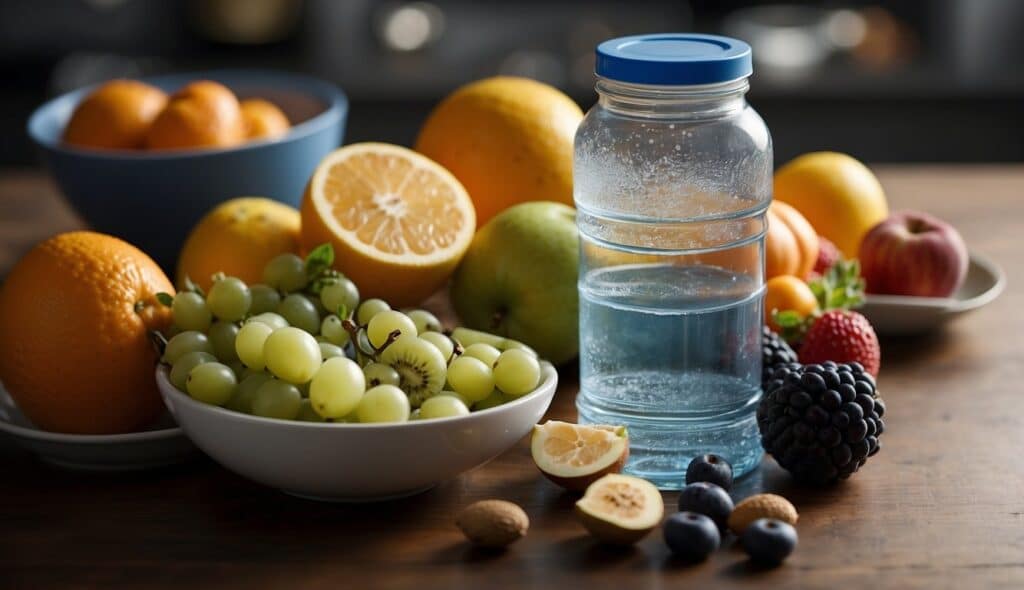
(620, 509)
(575, 455)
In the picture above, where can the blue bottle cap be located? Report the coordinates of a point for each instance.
(673, 59)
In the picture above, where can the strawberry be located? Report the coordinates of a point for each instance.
(842, 336)
(828, 255)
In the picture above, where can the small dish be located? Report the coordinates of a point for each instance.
(894, 315)
(165, 444)
(356, 462)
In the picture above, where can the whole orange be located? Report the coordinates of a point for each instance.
(202, 114)
(788, 293)
(75, 354)
(116, 115)
(507, 140)
(262, 119)
(238, 238)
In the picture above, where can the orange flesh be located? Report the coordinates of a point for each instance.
(392, 205)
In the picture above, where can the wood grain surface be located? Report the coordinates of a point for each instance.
(942, 506)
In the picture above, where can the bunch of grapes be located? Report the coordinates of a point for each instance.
(303, 346)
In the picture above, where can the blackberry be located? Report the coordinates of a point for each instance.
(821, 422)
(775, 352)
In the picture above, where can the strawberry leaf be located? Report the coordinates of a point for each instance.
(840, 287)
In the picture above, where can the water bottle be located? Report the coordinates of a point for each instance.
(672, 180)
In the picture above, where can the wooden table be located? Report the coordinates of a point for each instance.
(942, 506)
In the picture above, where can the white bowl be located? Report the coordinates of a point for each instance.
(356, 462)
(165, 444)
(900, 315)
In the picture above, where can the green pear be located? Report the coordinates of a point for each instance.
(518, 279)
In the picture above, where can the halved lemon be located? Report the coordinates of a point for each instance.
(399, 222)
(574, 455)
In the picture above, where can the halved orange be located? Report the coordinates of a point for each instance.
(575, 455)
(399, 222)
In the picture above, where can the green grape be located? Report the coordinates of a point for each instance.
(466, 337)
(516, 372)
(292, 355)
(191, 312)
(370, 308)
(185, 363)
(424, 321)
(334, 331)
(264, 299)
(222, 337)
(337, 388)
(451, 393)
(385, 322)
(384, 403)
(211, 383)
(269, 318)
(380, 374)
(184, 343)
(470, 378)
(342, 292)
(492, 401)
(285, 272)
(250, 342)
(440, 342)
(307, 413)
(239, 369)
(485, 352)
(329, 351)
(277, 399)
(241, 400)
(299, 311)
(321, 311)
(443, 406)
(229, 299)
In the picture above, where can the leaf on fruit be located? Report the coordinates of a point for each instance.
(840, 287)
(319, 260)
(165, 299)
(792, 326)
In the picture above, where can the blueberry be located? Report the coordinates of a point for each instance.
(710, 468)
(707, 499)
(768, 541)
(691, 536)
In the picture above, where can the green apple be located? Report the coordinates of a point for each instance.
(518, 279)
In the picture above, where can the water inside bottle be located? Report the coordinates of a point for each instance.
(674, 353)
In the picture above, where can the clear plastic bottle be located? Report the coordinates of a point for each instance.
(672, 179)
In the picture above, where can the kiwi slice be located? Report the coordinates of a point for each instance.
(420, 367)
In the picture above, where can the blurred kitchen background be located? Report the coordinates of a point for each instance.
(898, 81)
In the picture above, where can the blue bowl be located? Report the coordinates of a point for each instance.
(153, 199)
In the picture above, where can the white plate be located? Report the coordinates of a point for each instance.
(900, 315)
(356, 462)
(165, 444)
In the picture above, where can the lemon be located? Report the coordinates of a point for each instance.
(837, 194)
(238, 238)
(507, 140)
(398, 221)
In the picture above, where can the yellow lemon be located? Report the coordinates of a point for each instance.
(238, 238)
(399, 222)
(836, 193)
(507, 140)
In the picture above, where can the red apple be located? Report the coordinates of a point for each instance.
(913, 253)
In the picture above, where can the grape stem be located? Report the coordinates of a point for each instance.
(159, 342)
(374, 353)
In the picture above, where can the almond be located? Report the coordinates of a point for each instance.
(761, 506)
(493, 523)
